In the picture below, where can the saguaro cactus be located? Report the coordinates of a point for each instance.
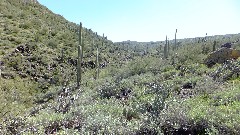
(205, 40)
(79, 60)
(165, 49)
(93, 42)
(160, 47)
(97, 62)
(62, 55)
(168, 47)
(147, 49)
(175, 43)
(214, 45)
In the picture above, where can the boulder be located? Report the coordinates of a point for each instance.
(221, 55)
(227, 45)
(7, 75)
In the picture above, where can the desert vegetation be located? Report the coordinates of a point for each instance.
(127, 87)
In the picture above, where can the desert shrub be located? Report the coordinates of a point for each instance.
(117, 90)
(54, 32)
(173, 119)
(169, 74)
(43, 31)
(25, 25)
(64, 35)
(15, 62)
(227, 71)
(14, 30)
(108, 90)
(103, 118)
(36, 23)
(22, 15)
(190, 54)
(218, 110)
(52, 43)
(12, 125)
(16, 99)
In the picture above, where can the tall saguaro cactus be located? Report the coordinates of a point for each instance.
(175, 43)
(93, 42)
(165, 49)
(168, 47)
(97, 61)
(214, 45)
(62, 55)
(79, 60)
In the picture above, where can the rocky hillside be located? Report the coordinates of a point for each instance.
(38, 49)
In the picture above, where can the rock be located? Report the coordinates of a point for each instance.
(1, 63)
(124, 94)
(221, 55)
(7, 75)
(235, 54)
(188, 85)
(22, 75)
(227, 45)
(72, 61)
(23, 48)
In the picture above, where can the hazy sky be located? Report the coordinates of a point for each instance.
(151, 20)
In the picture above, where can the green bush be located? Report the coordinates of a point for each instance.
(25, 25)
(16, 99)
(52, 43)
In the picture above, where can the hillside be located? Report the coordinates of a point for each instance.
(138, 90)
(36, 45)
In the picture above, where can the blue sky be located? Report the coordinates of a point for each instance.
(151, 20)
